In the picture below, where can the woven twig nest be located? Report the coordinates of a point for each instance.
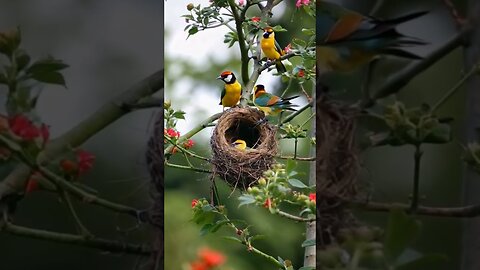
(337, 166)
(242, 168)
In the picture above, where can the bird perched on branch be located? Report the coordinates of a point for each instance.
(240, 144)
(346, 39)
(232, 91)
(269, 103)
(271, 49)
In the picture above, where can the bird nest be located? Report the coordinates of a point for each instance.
(242, 168)
(337, 167)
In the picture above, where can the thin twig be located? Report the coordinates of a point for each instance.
(187, 167)
(184, 150)
(79, 240)
(295, 114)
(293, 217)
(468, 211)
(416, 179)
(457, 86)
(297, 158)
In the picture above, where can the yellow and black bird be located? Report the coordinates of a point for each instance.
(240, 144)
(271, 49)
(232, 91)
(271, 104)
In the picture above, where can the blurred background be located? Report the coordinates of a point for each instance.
(191, 68)
(109, 45)
(387, 172)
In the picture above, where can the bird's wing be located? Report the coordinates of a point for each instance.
(278, 48)
(223, 94)
(345, 26)
(266, 100)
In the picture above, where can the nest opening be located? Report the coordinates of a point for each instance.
(242, 168)
(246, 130)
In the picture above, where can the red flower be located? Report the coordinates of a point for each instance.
(301, 73)
(211, 258)
(313, 197)
(21, 126)
(302, 3)
(32, 183)
(69, 166)
(85, 161)
(256, 19)
(189, 144)
(241, 2)
(288, 48)
(194, 202)
(267, 203)
(174, 150)
(172, 133)
(199, 265)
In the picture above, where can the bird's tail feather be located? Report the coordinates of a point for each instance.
(405, 18)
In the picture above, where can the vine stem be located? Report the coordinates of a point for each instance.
(416, 179)
(457, 86)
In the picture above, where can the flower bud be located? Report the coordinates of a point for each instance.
(190, 6)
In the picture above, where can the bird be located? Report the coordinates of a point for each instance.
(346, 39)
(240, 144)
(232, 91)
(271, 49)
(269, 103)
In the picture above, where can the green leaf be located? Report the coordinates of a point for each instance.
(22, 59)
(246, 199)
(429, 261)
(46, 66)
(205, 229)
(440, 134)
(297, 183)
(400, 233)
(50, 77)
(179, 114)
(193, 31)
(231, 238)
(279, 28)
(218, 225)
(291, 164)
(308, 31)
(309, 242)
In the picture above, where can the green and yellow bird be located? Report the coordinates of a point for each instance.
(232, 91)
(269, 103)
(271, 49)
(240, 144)
(346, 39)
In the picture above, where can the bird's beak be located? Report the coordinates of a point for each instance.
(219, 77)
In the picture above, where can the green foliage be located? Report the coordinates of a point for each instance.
(412, 126)
(371, 248)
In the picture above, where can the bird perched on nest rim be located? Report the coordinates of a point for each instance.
(232, 91)
(240, 144)
(271, 49)
(346, 39)
(271, 104)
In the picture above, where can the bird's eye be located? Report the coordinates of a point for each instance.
(266, 34)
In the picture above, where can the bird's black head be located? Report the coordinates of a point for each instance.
(268, 32)
(228, 77)
(259, 88)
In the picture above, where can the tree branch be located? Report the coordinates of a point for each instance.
(79, 240)
(293, 217)
(397, 81)
(469, 211)
(241, 40)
